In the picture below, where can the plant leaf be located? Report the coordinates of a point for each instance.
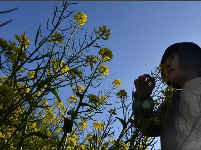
(55, 93)
(36, 39)
(122, 122)
(1, 12)
(5, 23)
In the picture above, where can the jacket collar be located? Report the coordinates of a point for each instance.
(192, 84)
(189, 86)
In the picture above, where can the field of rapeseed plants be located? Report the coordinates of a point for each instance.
(30, 119)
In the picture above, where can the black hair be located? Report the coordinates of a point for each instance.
(189, 55)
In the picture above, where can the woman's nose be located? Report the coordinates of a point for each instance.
(167, 64)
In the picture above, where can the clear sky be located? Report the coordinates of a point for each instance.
(140, 31)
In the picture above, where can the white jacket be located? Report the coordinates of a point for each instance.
(188, 117)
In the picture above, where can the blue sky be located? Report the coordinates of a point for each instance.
(140, 31)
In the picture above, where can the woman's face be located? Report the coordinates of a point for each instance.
(176, 75)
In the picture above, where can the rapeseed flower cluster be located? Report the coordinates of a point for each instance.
(92, 60)
(103, 32)
(71, 141)
(168, 94)
(74, 72)
(81, 147)
(44, 101)
(106, 54)
(61, 67)
(3, 79)
(56, 37)
(104, 70)
(112, 111)
(23, 40)
(81, 18)
(123, 146)
(83, 124)
(14, 117)
(98, 125)
(31, 74)
(73, 99)
(64, 68)
(117, 82)
(103, 99)
(12, 51)
(140, 147)
(93, 99)
(122, 93)
(162, 69)
(79, 89)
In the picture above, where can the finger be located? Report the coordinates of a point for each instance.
(147, 76)
(151, 82)
(142, 78)
(138, 81)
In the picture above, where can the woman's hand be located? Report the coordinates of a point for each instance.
(144, 87)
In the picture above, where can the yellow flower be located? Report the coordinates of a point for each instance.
(23, 55)
(106, 54)
(104, 99)
(3, 78)
(83, 124)
(22, 40)
(112, 111)
(27, 90)
(81, 18)
(56, 37)
(64, 67)
(79, 88)
(117, 82)
(44, 100)
(104, 70)
(73, 98)
(111, 136)
(52, 116)
(93, 99)
(55, 64)
(103, 32)
(1, 135)
(92, 60)
(98, 125)
(122, 93)
(38, 93)
(31, 74)
(21, 69)
(58, 102)
(81, 147)
(162, 68)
